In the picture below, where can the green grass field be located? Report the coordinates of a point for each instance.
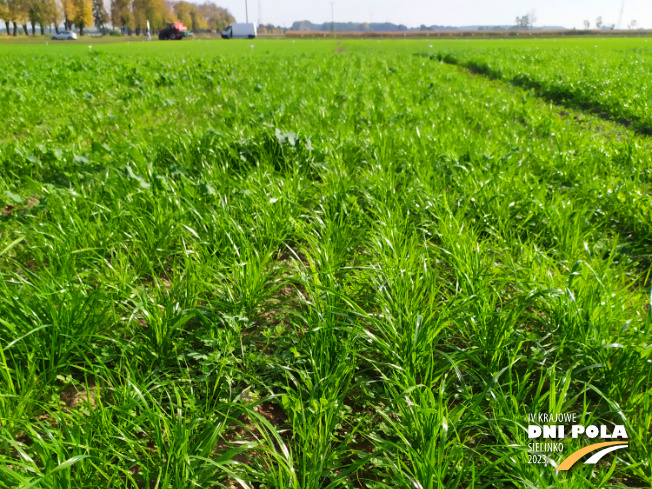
(318, 264)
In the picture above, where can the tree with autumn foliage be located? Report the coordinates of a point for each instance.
(204, 17)
(154, 11)
(53, 14)
(39, 13)
(121, 14)
(4, 14)
(217, 18)
(69, 9)
(134, 14)
(182, 11)
(84, 14)
(19, 14)
(270, 29)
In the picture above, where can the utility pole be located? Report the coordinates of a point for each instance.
(247, 11)
(332, 19)
(260, 14)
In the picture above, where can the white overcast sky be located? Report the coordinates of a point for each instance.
(567, 13)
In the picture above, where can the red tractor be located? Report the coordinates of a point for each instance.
(174, 31)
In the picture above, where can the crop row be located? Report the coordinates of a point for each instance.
(609, 82)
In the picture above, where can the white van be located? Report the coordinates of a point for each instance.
(239, 31)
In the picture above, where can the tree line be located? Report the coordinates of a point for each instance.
(599, 24)
(130, 16)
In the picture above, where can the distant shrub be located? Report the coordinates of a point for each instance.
(114, 32)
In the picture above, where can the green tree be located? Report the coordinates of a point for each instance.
(527, 21)
(100, 16)
(523, 22)
(37, 14)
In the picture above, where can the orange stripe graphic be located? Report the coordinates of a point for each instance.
(575, 456)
